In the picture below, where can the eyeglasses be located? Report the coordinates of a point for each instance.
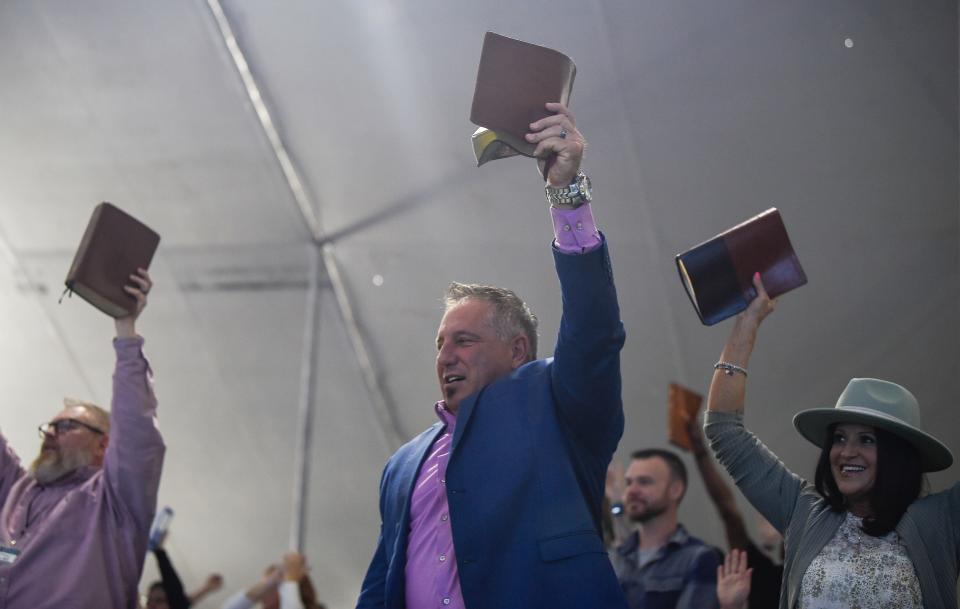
(55, 428)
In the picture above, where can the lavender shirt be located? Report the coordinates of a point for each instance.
(83, 539)
(431, 573)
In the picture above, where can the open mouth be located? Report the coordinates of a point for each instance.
(851, 469)
(452, 378)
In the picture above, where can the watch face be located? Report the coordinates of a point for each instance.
(583, 182)
(572, 196)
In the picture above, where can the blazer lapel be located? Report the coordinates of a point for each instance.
(463, 419)
(406, 478)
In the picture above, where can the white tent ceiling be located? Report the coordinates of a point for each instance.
(699, 114)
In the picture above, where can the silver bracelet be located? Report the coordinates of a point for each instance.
(729, 369)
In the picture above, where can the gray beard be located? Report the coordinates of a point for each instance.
(47, 469)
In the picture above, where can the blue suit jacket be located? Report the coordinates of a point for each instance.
(527, 467)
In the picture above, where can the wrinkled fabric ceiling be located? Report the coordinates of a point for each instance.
(699, 115)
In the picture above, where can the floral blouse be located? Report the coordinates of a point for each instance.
(858, 571)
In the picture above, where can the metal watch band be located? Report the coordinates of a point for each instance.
(572, 196)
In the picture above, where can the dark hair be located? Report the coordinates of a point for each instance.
(677, 469)
(898, 482)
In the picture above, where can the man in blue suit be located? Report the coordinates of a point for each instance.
(496, 506)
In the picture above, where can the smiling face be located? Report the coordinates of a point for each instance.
(470, 354)
(853, 463)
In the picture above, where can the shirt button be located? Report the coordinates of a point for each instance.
(444, 518)
(566, 227)
(443, 557)
(443, 480)
(446, 601)
(579, 225)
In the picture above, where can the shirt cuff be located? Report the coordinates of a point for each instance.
(574, 230)
(290, 595)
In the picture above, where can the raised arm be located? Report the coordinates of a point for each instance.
(586, 371)
(255, 593)
(10, 469)
(134, 455)
(729, 383)
(214, 582)
(733, 581)
(294, 569)
(720, 493)
(170, 580)
(765, 481)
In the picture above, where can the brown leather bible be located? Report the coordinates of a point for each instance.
(683, 406)
(718, 273)
(515, 80)
(113, 247)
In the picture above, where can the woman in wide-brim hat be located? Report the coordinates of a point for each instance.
(861, 535)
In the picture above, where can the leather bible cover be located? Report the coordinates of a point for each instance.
(113, 247)
(718, 274)
(515, 80)
(683, 406)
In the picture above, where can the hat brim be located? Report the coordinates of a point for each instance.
(813, 424)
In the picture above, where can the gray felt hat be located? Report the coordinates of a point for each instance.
(879, 404)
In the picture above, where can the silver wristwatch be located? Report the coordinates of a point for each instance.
(572, 196)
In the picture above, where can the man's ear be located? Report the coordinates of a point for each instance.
(100, 449)
(676, 490)
(519, 351)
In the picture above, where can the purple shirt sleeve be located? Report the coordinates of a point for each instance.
(10, 469)
(574, 230)
(134, 456)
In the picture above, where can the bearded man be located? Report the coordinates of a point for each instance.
(74, 527)
(661, 566)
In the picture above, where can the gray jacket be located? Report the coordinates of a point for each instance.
(930, 529)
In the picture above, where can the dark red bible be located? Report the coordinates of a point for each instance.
(718, 274)
(113, 247)
(515, 80)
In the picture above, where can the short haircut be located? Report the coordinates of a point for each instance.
(510, 316)
(678, 471)
(101, 416)
(898, 483)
